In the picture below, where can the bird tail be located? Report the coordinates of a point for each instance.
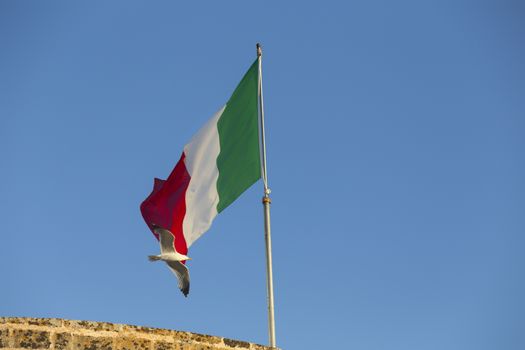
(153, 257)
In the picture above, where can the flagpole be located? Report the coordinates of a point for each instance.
(266, 204)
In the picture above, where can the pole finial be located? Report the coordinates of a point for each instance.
(259, 50)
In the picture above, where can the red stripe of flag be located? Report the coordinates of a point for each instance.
(166, 205)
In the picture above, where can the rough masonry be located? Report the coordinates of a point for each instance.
(58, 334)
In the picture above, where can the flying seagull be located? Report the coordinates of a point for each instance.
(170, 256)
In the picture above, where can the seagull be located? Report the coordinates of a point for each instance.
(174, 259)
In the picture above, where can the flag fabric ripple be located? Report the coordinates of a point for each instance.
(218, 164)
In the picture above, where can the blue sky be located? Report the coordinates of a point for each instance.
(395, 157)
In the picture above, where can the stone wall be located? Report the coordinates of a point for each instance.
(57, 334)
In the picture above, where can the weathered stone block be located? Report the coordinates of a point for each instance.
(95, 326)
(181, 336)
(51, 322)
(63, 341)
(236, 343)
(163, 345)
(84, 342)
(198, 347)
(258, 347)
(4, 338)
(13, 320)
(30, 339)
(203, 338)
(146, 330)
(130, 343)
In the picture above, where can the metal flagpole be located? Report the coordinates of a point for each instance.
(266, 204)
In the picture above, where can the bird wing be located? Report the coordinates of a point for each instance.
(166, 241)
(183, 275)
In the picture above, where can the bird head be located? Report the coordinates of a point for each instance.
(154, 226)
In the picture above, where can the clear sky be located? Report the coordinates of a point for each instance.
(396, 144)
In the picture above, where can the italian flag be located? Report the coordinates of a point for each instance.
(218, 164)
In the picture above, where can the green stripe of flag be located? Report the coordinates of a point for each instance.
(239, 161)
